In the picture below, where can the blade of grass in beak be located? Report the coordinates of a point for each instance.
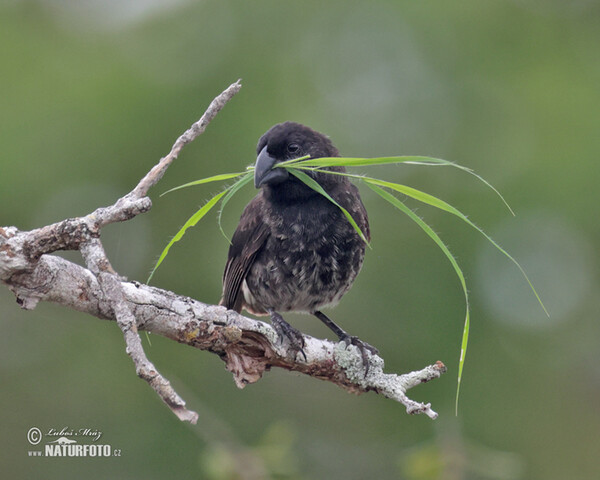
(292, 161)
(408, 159)
(419, 221)
(360, 162)
(215, 178)
(318, 188)
(193, 220)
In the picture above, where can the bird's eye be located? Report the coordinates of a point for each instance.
(293, 148)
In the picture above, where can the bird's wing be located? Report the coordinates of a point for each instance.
(248, 239)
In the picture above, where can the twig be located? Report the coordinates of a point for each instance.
(248, 347)
(97, 262)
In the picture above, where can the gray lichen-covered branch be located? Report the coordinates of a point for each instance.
(248, 347)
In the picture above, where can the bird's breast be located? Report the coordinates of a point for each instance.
(309, 261)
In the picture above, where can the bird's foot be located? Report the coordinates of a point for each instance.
(362, 348)
(293, 335)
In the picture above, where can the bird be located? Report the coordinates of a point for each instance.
(293, 249)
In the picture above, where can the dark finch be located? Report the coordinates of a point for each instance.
(294, 250)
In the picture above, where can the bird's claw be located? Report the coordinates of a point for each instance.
(362, 348)
(293, 335)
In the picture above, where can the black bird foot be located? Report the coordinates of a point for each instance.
(362, 348)
(285, 330)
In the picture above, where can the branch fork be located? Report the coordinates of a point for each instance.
(248, 347)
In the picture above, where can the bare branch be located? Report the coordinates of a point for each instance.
(248, 347)
(109, 283)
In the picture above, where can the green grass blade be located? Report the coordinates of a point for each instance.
(361, 162)
(214, 178)
(489, 185)
(287, 163)
(470, 171)
(408, 159)
(193, 220)
(318, 188)
(419, 221)
(438, 203)
(232, 191)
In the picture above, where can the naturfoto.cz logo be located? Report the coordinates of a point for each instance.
(67, 446)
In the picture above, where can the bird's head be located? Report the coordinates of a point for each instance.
(286, 141)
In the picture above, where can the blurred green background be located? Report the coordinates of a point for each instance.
(94, 92)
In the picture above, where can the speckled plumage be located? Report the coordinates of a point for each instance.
(309, 258)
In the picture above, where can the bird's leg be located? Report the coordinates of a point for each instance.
(348, 339)
(284, 329)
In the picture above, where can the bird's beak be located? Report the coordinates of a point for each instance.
(264, 173)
